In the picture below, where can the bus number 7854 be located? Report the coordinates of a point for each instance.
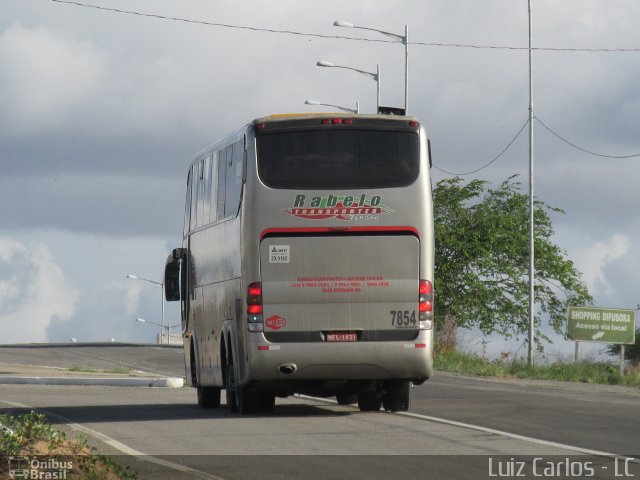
(402, 318)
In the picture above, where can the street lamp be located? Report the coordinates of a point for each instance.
(375, 76)
(162, 327)
(346, 109)
(403, 39)
(159, 284)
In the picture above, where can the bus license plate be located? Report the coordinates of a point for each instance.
(342, 337)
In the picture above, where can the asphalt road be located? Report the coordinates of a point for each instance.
(156, 359)
(161, 430)
(597, 417)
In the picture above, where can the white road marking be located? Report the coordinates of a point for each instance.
(515, 436)
(119, 445)
(493, 431)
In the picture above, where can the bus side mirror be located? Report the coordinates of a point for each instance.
(172, 275)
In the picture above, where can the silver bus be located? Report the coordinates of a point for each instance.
(307, 263)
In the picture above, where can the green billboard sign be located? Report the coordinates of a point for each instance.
(606, 325)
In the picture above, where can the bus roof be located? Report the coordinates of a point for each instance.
(280, 117)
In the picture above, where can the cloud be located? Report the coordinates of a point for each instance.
(110, 302)
(33, 292)
(594, 260)
(100, 204)
(46, 78)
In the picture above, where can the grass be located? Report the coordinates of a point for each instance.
(119, 370)
(30, 436)
(584, 372)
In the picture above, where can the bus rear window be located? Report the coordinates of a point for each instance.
(330, 159)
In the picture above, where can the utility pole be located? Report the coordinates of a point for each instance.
(531, 207)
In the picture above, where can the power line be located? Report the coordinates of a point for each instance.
(492, 161)
(557, 135)
(215, 24)
(430, 44)
(341, 37)
(550, 130)
(506, 47)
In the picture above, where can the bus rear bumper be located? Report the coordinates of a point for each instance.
(323, 361)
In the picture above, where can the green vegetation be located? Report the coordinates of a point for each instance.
(31, 435)
(119, 370)
(482, 282)
(482, 260)
(631, 352)
(584, 372)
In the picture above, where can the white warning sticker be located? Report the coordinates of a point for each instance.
(278, 253)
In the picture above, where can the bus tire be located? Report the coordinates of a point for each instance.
(369, 401)
(231, 389)
(192, 367)
(397, 396)
(248, 400)
(208, 397)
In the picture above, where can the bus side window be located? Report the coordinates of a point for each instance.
(187, 206)
(213, 188)
(194, 198)
(201, 197)
(222, 168)
(234, 179)
(207, 191)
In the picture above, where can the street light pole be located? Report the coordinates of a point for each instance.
(346, 109)
(162, 327)
(403, 39)
(159, 284)
(374, 76)
(377, 88)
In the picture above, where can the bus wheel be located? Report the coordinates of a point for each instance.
(397, 396)
(230, 389)
(346, 399)
(369, 401)
(209, 397)
(248, 400)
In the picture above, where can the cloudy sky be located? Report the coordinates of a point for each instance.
(101, 113)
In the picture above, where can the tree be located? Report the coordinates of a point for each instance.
(482, 259)
(631, 352)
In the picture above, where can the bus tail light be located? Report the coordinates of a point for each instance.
(425, 305)
(254, 307)
(337, 121)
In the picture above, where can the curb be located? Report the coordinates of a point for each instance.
(169, 382)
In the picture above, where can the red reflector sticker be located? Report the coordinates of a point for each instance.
(263, 347)
(342, 337)
(275, 322)
(421, 345)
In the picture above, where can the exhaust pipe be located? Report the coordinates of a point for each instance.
(287, 368)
